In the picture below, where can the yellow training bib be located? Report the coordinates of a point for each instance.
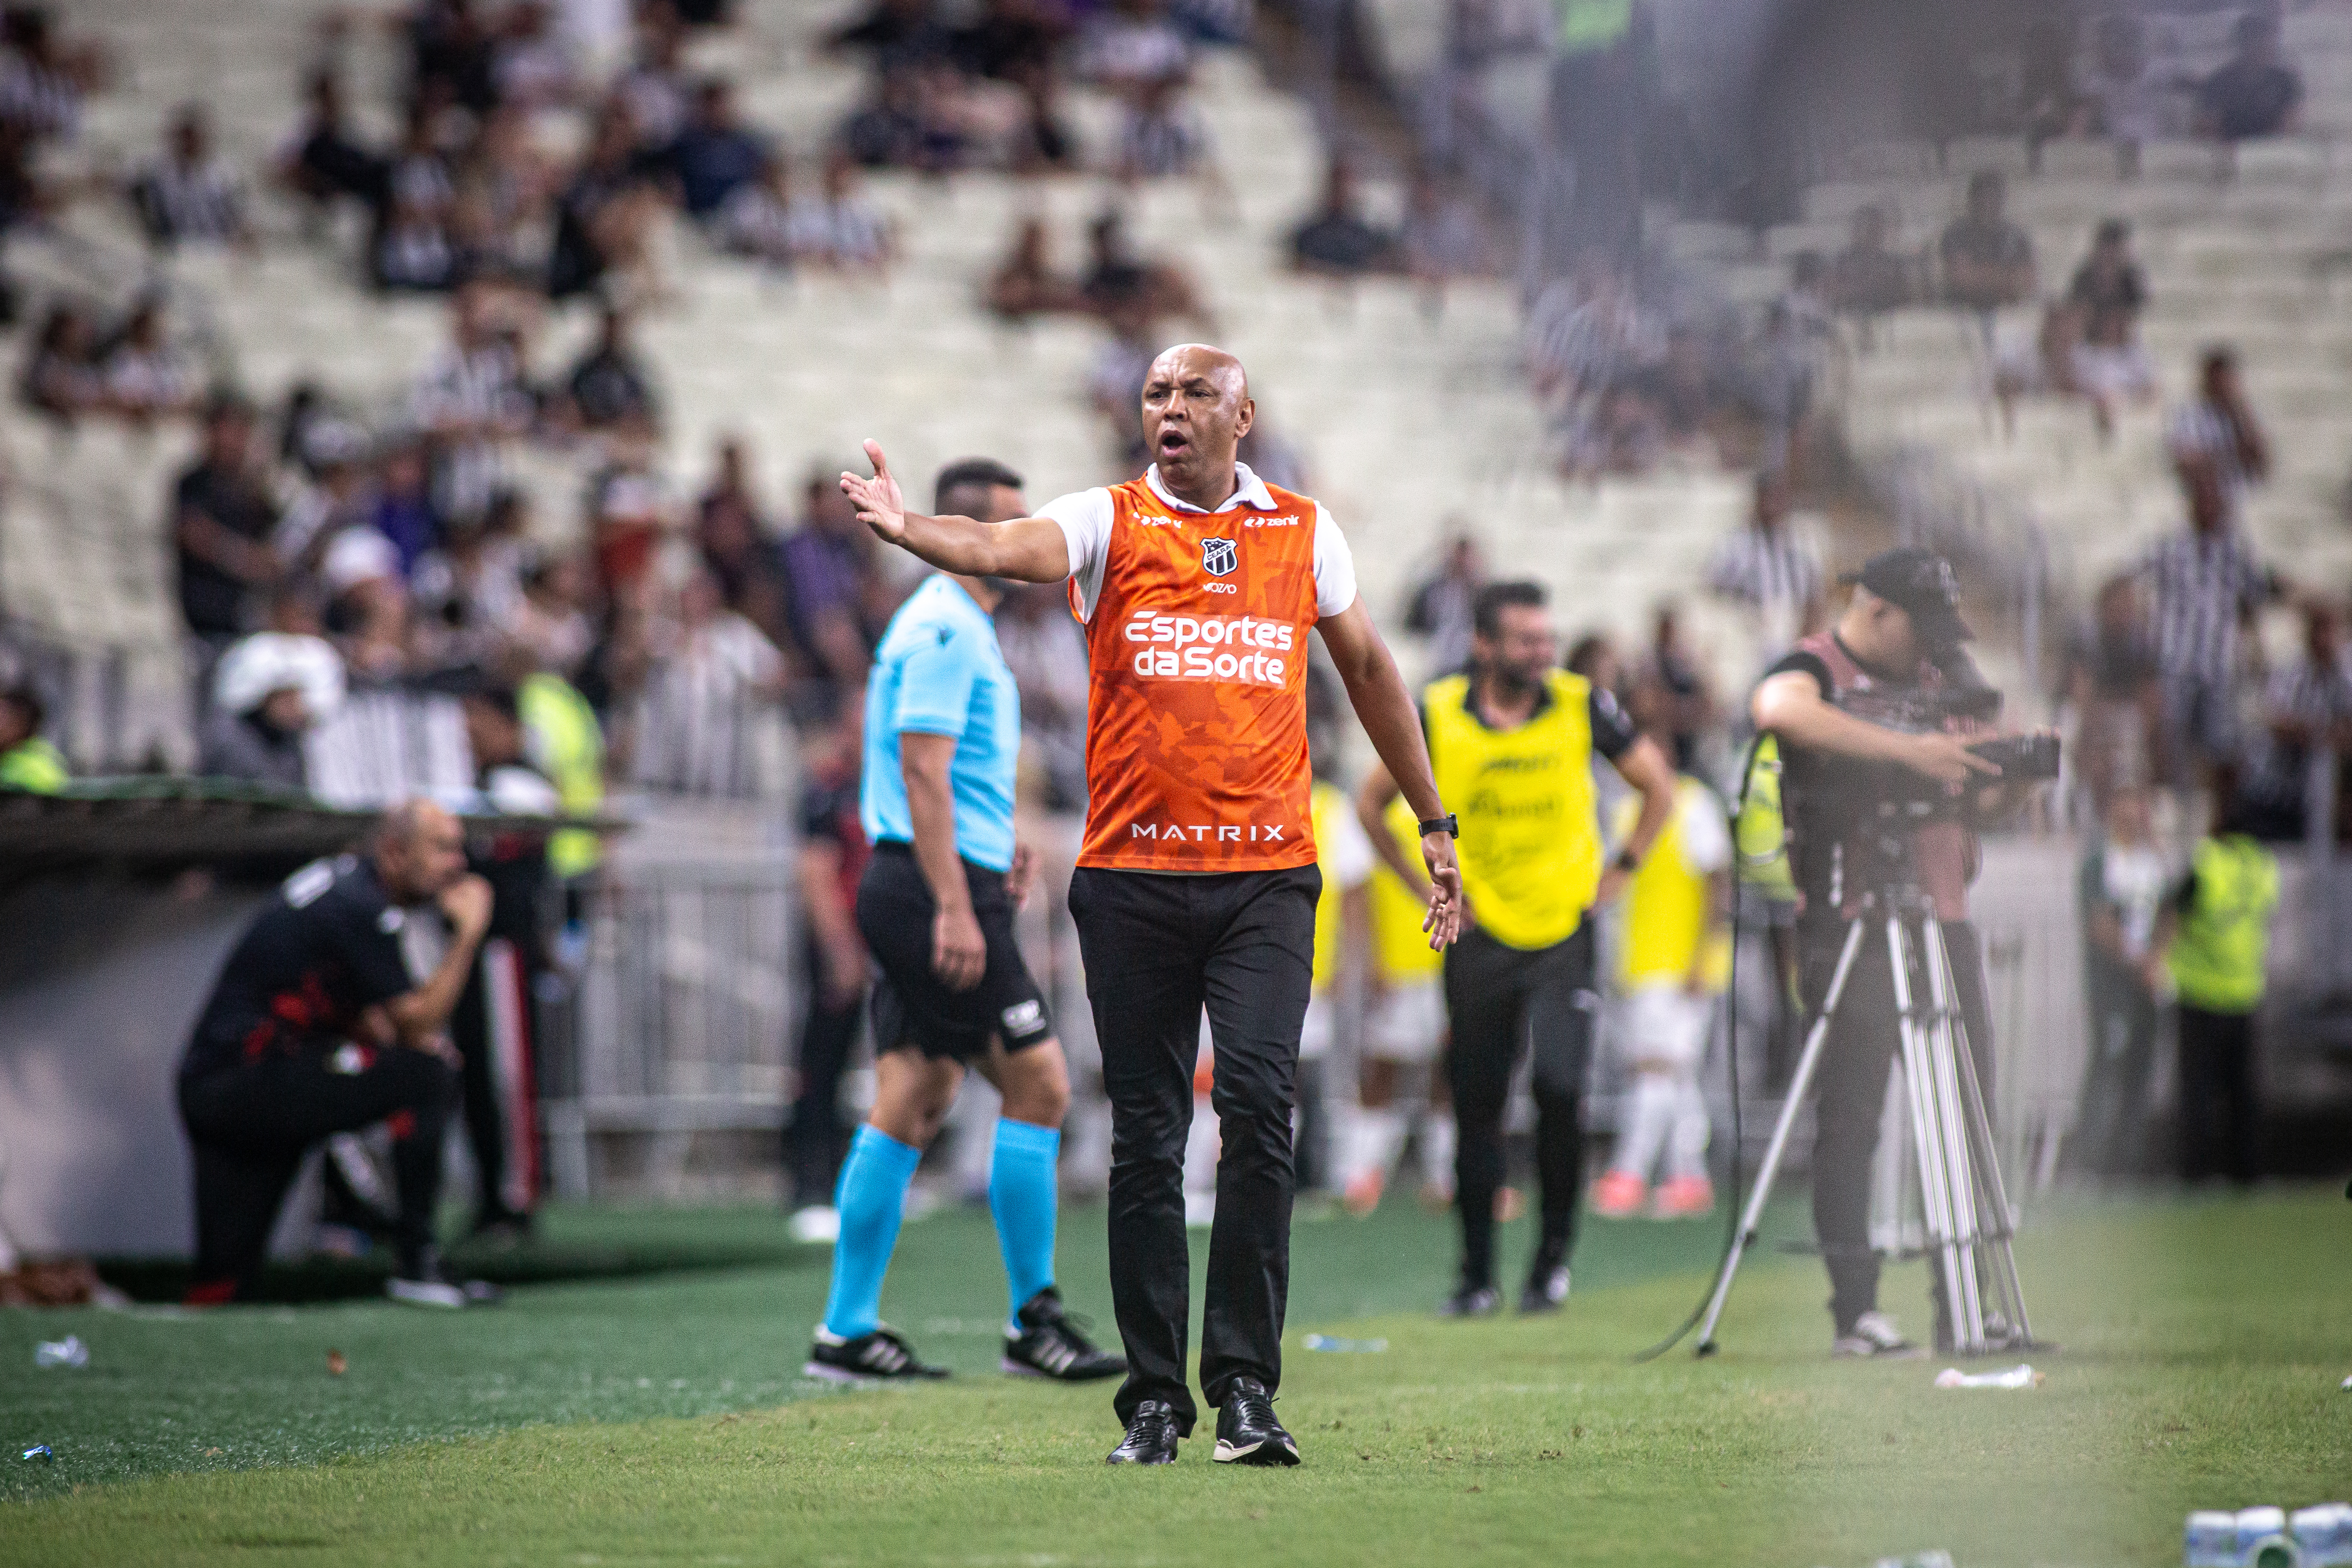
(1530, 847)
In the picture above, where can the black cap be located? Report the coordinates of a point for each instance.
(1920, 583)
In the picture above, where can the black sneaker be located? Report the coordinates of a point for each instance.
(1051, 1343)
(1471, 1301)
(1150, 1438)
(878, 1355)
(1545, 1291)
(1247, 1432)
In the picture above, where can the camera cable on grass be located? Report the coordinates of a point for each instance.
(1738, 1136)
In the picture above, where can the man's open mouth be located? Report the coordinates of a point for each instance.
(1174, 441)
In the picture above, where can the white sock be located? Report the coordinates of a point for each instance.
(1649, 1115)
(1201, 1146)
(1373, 1139)
(1437, 1148)
(1686, 1144)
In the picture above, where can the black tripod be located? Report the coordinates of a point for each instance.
(1966, 1212)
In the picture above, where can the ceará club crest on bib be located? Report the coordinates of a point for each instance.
(1219, 557)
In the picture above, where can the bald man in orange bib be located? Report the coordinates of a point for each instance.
(1198, 584)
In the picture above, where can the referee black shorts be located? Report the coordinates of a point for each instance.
(912, 1007)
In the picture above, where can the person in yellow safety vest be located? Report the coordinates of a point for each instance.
(27, 761)
(562, 740)
(1674, 956)
(2220, 942)
(1404, 1027)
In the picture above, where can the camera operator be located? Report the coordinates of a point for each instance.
(1897, 639)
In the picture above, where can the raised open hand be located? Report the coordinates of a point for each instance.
(880, 505)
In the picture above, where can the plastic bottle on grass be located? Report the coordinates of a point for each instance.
(2322, 1533)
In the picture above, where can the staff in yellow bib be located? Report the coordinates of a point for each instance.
(1512, 742)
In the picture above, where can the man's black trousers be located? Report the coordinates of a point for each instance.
(1158, 948)
(816, 1139)
(1499, 1000)
(498, 1042)
(249, 1125)
(1850, 1087)
(2217, 1094)
(2110, 1131)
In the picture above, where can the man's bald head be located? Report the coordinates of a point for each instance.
(1202, 359)
(1196, 409)
(419, 850)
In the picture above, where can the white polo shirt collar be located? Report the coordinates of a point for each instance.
(1249, 490)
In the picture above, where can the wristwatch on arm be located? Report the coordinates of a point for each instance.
(1447, 824)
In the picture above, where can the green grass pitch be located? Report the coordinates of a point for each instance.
(649, 1411)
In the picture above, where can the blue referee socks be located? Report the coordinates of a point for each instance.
(1021, 1197)
(872, 1199)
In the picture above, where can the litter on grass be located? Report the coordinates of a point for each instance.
(38, 1451)
(336, 1364)
(2018, 1376)
(1325, 1342)
(67, 1351)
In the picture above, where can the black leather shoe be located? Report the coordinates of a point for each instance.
(1247, 1432)
(1150, 1436)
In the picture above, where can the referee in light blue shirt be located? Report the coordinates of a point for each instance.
(942, 744)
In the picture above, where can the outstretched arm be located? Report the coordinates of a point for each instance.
(1027, 549)
(1646, 769)
(1385, 707)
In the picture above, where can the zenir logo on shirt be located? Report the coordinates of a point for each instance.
(1218, 557)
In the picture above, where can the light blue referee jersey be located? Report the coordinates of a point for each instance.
(940, 672)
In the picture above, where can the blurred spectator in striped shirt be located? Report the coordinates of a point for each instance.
(708, 674)
(1588, 330)
(1163, 135)
(188, 197)
(1133, 43)
(1772, 568)
(2219, 427)
(2306, 709)
(42, 80)
(840, 227)
(2207, 585)
(470, 399)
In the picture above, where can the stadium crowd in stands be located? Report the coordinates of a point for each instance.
(323, 549)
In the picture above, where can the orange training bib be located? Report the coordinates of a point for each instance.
(1196, 730)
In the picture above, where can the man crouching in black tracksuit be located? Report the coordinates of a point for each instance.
(315, 1028)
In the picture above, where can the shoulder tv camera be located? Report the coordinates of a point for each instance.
(1923, 710)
